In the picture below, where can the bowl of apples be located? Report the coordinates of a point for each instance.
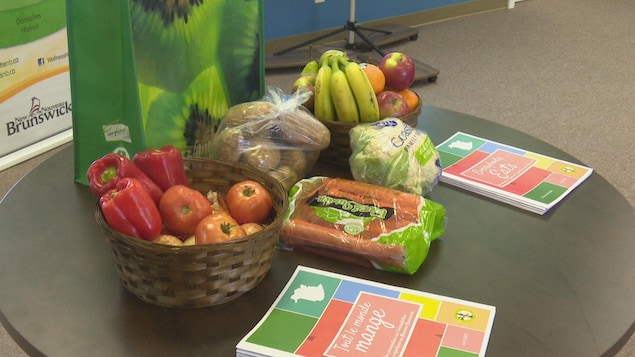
(355, 93)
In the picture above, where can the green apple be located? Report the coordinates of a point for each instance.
(306, 82)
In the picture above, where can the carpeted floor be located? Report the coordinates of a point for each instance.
(559, 70)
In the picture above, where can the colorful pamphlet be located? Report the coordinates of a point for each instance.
(320, 313)
(522, 178)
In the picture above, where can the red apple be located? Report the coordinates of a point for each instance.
(391, 104)
(306, 82)
(399, 70)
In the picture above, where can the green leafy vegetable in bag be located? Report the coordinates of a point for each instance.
(393, 154)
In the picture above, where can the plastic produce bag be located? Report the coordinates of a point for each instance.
(361, 223)
(393, 154)
(276, 135)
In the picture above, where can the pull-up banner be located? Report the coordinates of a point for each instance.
(35, 98)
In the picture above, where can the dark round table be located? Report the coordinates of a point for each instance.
(563, 284)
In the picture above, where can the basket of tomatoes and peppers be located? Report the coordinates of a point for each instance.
(187, 232)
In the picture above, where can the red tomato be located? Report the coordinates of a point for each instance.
(182, 208)
(217, 227)
(249, 202)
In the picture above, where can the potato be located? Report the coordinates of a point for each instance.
(296, 160)
(256, 133)
(285, 175)
(251, 228)
(263, 156)
(168, 239)
(228, 145)
(190, 241)
(247, 112)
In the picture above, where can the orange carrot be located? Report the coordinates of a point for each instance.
(300, 233)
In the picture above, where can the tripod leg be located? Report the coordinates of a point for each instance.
(385, 32)
(369, 42)
(311, 41)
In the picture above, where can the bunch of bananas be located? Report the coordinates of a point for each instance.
(342, 91)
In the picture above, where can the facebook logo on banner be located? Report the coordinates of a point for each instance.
(40, 61)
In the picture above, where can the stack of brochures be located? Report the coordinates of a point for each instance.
(521, 178)
(320, 313)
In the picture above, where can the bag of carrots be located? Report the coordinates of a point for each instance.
(361, 223)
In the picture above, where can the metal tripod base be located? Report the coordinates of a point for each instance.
(368, 40)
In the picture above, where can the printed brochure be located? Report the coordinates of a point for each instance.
(320, 313)
(524, 179)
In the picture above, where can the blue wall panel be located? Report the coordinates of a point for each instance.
(283, 18)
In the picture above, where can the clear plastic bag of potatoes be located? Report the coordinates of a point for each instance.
(276, 135)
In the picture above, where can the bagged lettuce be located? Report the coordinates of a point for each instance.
(392, 154)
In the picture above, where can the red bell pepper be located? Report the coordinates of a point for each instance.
(104, 173)
(164, 166)
(129, 209)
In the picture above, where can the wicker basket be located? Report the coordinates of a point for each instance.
(203, 275)
(339, 150)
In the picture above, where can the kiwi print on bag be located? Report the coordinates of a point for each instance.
(187, 120)
(174, 40)
(194, 59)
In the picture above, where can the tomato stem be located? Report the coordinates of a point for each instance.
(226, 227)
(248, 191)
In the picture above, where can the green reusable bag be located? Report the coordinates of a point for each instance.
(146, 73)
